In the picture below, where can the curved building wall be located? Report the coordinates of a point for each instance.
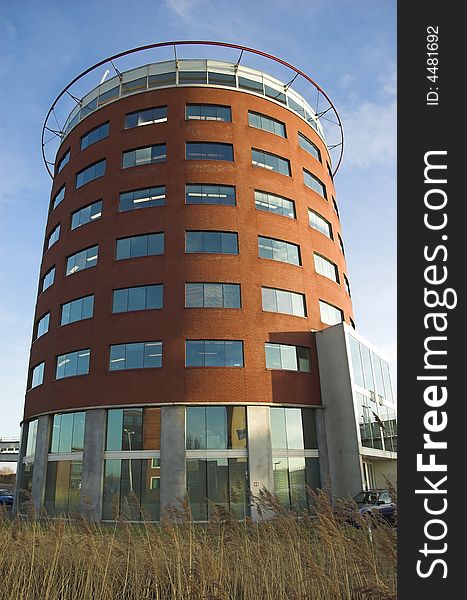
(173, 324)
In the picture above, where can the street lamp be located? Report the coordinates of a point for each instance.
(129, 434)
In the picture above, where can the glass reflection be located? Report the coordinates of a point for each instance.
(63, 487)
(216, 428)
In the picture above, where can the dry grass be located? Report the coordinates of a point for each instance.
(284, 558)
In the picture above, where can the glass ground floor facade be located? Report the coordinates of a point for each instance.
(134, 462)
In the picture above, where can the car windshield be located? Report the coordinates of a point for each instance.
(366, 497)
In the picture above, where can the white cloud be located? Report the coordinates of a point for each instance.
(185, 9)
(370, 134)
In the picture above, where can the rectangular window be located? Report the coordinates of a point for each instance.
(329, 314)
(144, 198)
(63, 161)
(341, 244)
(73, 363)
(208, 112)
(77, 310)
(95, 135)
(357, 366)
(266, 123)
(269, 161)
(144, 297)
(279, 250)
(216, 428)
(58, 197)
(53, 237)
(336, 208)
(37, 377)
(128, 87)
(89, 173)
(68, 433)
(149, 116)
(144, 156)
(293, 428)
(319, 223)
(250, 84)
(326, 267)
(212, 295)
(138, 355)
(63, 488)
(162, 79)
(287, 358)
(85, 259)
(275, 204)
(48, 279)
(314, 183)
(221, 79)
(275, 94)
(214, 353)
(209, 151)
(347, 285)
(42, 325)
(281, 301)
(308, 145)
(86, 215)
(329, 170)
(217, 242)
(140, 245)
(190, 77)
(210, 194)
(144, 423)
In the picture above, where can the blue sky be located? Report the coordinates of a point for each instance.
(348, 47)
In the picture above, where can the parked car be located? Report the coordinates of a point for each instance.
(6, 498)
(376, 503)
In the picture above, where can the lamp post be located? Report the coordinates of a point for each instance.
(129, 434)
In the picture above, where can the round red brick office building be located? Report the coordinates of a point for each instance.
(192, 246)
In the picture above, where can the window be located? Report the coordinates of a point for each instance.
(293, 428)
(250, 84)
(325, 267)
(135, 85)
(269, 161)
(221, 79)
(308, 145)
(68, 433)
(144, 156)
(266, 123)
(209, 151)
(341, 244)
(63, 161)
(328, 166)
(138, 355)
(214, 353)
(319, 223)
(144, 297)
(210, 194)
(329, 314)
(370, 422)
(32, 438)
(92, 172)
(77, 310)
(215, 484)
(334, 203)
(287, 358)
(86, 215)
(219, 242)
(208, 112)
(95, 135)
(347, 285)
(58, 197)
(48, 279)
(278, 250)
(314, 183)
(275, 94)
(144, 198)
(42, 325)
(37, 377)
(216, 428)
(281, 301)
(63, 487)
(292, 476)
(162, 79)
(275, 204)
(73, 363)
(357, 366)
(53, 236)
(133, 429)
(85, 259)
(149, 116)
(189, 77)
(140, 245)
(212, 295)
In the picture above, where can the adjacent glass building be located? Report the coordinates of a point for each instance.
(192, 249)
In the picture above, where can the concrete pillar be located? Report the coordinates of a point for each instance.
(20, 467)
(173, 457)
(259, 454)
(44, 425)
(93, 464)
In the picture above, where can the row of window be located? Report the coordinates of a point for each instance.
(194, 194)
(197, 295)
(204, 112)
(204, 242)
(198, 353)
